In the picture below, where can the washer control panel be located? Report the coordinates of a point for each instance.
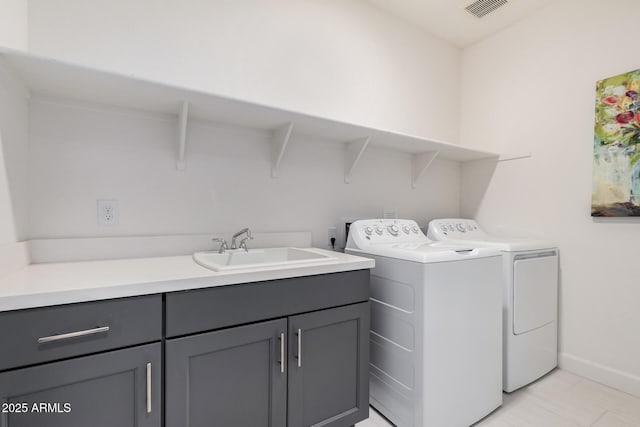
(454, 228)
(386, 231)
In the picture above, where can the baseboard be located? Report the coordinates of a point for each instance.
(606, 375)
(13, 257)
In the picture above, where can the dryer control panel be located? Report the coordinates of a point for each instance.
(454, 228)
(385, 231)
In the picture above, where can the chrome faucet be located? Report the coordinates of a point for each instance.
(243, 242)
(223, 244)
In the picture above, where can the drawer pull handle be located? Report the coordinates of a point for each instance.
(299, 348)
(282, 354)
(148, 388)
(77, 334)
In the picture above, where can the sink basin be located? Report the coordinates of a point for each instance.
(254, 258)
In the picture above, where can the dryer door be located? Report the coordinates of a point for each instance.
(535, 291)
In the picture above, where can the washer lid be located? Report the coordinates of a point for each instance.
(505, 244)
(426, 253)
(462, 231)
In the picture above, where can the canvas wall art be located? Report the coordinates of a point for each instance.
(616, 148)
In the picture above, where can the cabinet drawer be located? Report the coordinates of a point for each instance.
(39, 335)
(189, 312)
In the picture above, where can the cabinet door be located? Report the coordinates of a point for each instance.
(329, 360)
(228, 378)
(119, 388)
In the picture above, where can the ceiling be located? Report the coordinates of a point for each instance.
(448, 20)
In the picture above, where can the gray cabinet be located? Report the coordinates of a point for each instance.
(118, 388)
(240, 376)
(288, 352)
(329, 362)
(228, 378)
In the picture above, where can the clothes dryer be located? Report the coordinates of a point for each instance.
(530, 297)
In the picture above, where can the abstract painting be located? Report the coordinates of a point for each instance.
(616, 148)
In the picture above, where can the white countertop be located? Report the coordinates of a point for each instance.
(40, 285)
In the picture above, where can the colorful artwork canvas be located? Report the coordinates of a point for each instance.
(616, 148)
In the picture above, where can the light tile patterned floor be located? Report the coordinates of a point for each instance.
(559, 399)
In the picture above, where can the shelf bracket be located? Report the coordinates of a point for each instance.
(182, 142)
(420, 163)
(514, 156)
(353, 153)
(279, 142)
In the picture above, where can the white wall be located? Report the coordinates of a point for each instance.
(80, 153)
(13, 34)
(341, 59)
(13, 157)
(7, 225)
(14, 24)
(13, 141)
(531, 88)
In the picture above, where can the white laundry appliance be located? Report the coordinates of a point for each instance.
(530, 306)
(436, 322)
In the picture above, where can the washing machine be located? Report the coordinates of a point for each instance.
(530, 306)
(436, 322)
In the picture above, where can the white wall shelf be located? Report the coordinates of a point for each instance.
(58, 79)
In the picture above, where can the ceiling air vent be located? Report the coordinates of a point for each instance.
(481, 8)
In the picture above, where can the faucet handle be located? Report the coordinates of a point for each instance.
(223, 244)
(243, 242)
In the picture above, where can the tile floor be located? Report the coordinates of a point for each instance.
(560, 399)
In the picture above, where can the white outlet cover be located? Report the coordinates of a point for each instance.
(108, 212)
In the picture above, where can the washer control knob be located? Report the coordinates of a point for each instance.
(451, 227)
(393, 229)
(461, 227)
(414, 229)
(368, 231)
(379, 230)
(406, 229)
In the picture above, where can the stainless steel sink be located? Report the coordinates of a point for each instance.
(256, 258)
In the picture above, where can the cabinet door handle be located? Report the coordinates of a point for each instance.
(282, 353)
(299, 348)
(76, 334)
(148, 388)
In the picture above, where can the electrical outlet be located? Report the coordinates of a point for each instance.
(108, 213)
(332, 233)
